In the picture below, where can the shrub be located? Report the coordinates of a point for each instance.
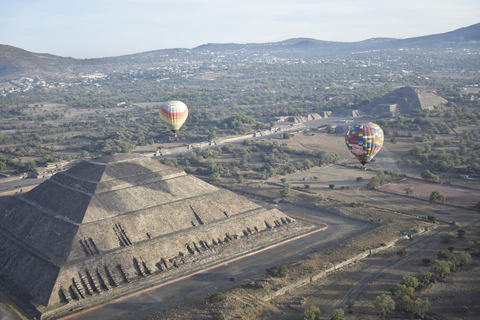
(420, 307)
(383, 304)
(312, 313)
(425, 279)
(443, 255)
(216, 297)
(331, 186)
(219, 316)
(278, 271)
(358, 204)
(359, 179)
(463, 258)
(401, 290)
(427, 175)
(350, 305)
(436, 197)
(409, 191)
(402, 252)
(477, 206)
(426, 261)
(409, 281)
(338, 314)
(474, 246)
(447, 237)
(214, 176)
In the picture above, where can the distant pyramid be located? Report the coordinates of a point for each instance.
(403, 101)
(110, 225)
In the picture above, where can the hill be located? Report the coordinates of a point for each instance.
(16, 62)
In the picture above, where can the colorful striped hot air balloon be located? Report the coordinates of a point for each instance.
(174, 113)
(364, 140)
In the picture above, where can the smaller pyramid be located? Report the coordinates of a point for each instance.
(403, 101)
(114, 224)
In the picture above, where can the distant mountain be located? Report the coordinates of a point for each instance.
(467, 35)
(459, 36)
(16, 62)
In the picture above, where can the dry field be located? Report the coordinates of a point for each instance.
(447, 297)
(422, 189)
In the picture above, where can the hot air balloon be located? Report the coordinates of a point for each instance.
(364, 140)
(174, 113)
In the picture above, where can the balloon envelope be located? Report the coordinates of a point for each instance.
(364, 140)
(174, 113)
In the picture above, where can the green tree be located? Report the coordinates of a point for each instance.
(464, 258)
(383, 305)
(441, 268)
(401, 290)
(420, 307)
(312, 313)
(338, 314)
(461, 234)
(474, 246)
(214, 176)
(432, 219)
(374, 183)
(286, 191)
(447, 237)
(30, 165)
(436, 197)
(427, 175)
(410, 281)
(406, 303)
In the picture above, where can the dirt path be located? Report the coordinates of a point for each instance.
(360, 285)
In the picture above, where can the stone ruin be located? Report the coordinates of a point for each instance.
(113, 225)
(403, 101)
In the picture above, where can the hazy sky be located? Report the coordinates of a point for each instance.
(100, 28)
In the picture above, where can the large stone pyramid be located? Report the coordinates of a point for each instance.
(112, 225)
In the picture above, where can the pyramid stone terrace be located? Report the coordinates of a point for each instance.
(116, 224)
